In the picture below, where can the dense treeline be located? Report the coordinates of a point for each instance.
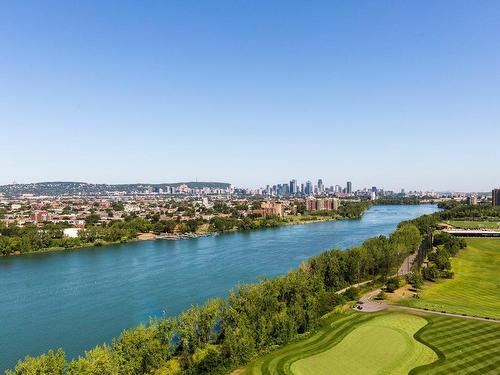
(16, 239)
(226, 333)
(439, 265)
(455, 210)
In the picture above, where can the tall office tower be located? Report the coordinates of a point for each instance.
(309, 188)
(268, 190)
(374, 189)
(293, 186)
(338, 189)
(302, 189)
(286, 189)
(348, 189)
(321, 187)
(495, 195)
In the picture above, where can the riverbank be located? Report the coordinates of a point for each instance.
(108, 291)
(207, 230)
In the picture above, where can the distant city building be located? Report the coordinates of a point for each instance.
(321, 187)
(472, 200)
(309, 188)
(495, 195)
(348, 189)
(41, 216)
(293, 186)
(321, 204)
(270, 209)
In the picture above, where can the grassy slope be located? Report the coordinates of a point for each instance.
(364, 351)
(474, 224)
(475, 289)
(464, 346)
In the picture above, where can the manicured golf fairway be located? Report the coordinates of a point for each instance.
(383, 345)
(464, 346)
(475, 289)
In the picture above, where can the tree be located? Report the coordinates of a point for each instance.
(92, 220)
(52, 363)
(139, 351)
(97, 361)
(415, 279)
(392, 284)
(430, 273)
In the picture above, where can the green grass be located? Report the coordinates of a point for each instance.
(382, 345)
(333, 331)
(466, 224)
(354, 343)
(475, 289)
(386, 342)
(464, 346)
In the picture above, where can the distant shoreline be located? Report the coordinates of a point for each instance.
(174, 237)
(180, 236)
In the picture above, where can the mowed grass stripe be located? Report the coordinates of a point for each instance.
(468, 347)
(276, 365)
(334, 329)
(285, 362)
(457, 335)
(383, 345)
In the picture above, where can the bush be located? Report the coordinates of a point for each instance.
(380, 296)
(392, 284)
(351, 294)
(430, 273)
(447, 274)
(415, 280)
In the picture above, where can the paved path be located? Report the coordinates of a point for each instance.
(407, 264)
(444, 313)
(403, 270)
(366, 304)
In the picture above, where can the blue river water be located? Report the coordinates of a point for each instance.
(78, 299)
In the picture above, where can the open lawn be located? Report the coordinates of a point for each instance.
(382, 345)
(386, 343)
(379, 343)
(464, 346)
(475, 289)
(474, 224)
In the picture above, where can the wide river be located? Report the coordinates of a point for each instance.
(77, 299)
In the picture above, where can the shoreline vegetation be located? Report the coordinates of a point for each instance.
(16, 240)
(226, 333)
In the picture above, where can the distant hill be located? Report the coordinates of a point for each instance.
(74, 188)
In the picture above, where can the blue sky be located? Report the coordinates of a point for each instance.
(387, 93)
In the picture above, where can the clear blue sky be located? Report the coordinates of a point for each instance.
(386, 93)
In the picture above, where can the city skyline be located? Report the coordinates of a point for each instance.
(177, 92)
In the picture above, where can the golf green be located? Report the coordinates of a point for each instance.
(383, 345)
